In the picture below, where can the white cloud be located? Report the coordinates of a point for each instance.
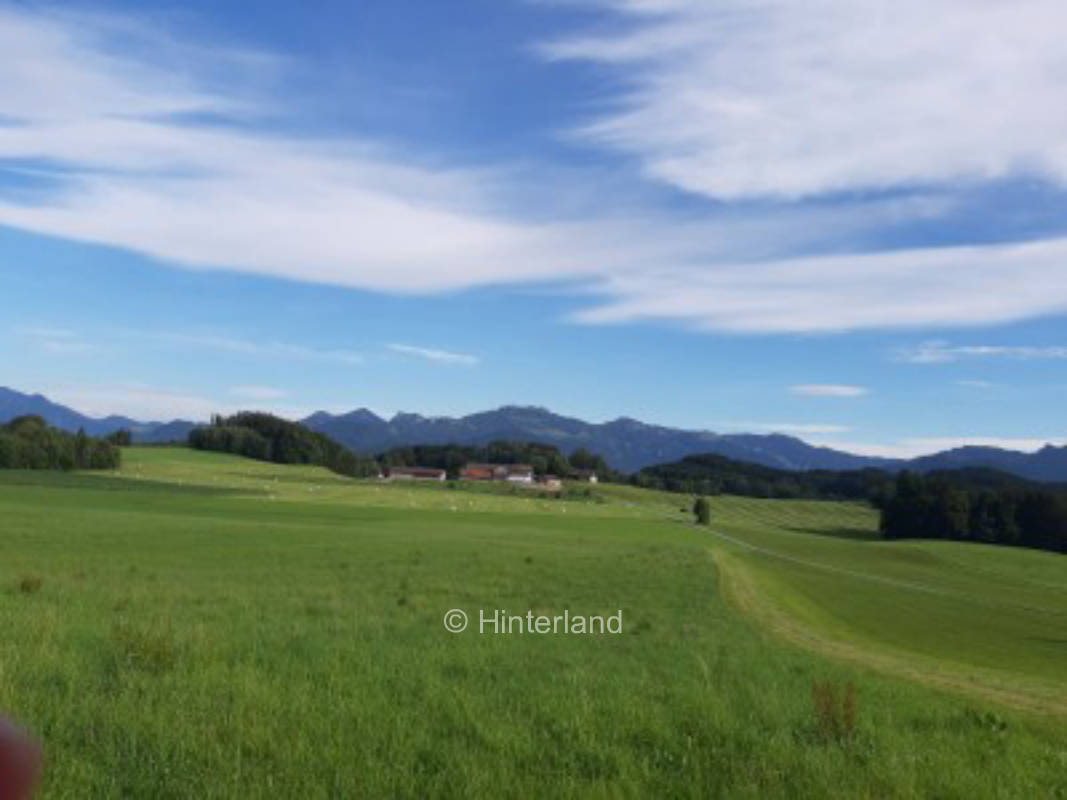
(136, 174)
(735, 98)
(438, 356)
(976, 384)
(258, 392)
(938, 352)
(945, 286)
(111, 128)
(827, 390)
(922, 446)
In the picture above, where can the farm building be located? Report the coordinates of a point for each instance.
(415, 474)
(481, 472)
(550, 482)
(515, 473)
(520, 473)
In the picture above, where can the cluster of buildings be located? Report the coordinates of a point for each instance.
(517, 474)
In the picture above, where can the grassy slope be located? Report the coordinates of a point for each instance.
(997, 614)
(221, 627)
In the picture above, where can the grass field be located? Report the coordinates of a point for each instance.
(199, 625)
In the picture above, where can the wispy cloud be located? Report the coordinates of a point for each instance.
(66, 341)
(947, 286)
(827, 390)
(152, 403)
(264, 349)
(938, 352)
(733, 98)
(437, 356)
(137, 400)
(976, 384)
(797, 428)
(258, 392)
(59, 341)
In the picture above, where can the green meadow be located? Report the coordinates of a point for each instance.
(200, 625)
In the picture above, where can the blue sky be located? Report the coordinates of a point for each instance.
(844, 222)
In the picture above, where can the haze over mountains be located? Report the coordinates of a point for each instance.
(15, 404)
(627, 444)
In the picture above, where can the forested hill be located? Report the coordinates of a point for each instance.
(714, 474)
(971, 504)
(933, 507)
(269, 438)
(30, 443)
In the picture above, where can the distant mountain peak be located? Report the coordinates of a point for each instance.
(363, 415)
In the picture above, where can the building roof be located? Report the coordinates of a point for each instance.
(501, 468)
(416, 471)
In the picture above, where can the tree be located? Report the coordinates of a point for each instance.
(582, 459)
(948, 516)
(906, 513)
(702, 511)
(120, 438)
(81, 448)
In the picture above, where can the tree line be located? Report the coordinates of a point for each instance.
(934, 507)
(970, 504)
(712, 474)
(28, 442)
(269, 438)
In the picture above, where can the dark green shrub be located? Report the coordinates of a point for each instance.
(30, 584)
(702, 511)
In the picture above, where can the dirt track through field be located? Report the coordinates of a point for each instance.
(742, 589)
(867, 576)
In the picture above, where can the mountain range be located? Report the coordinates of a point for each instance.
(15, 404)
(626, 444)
